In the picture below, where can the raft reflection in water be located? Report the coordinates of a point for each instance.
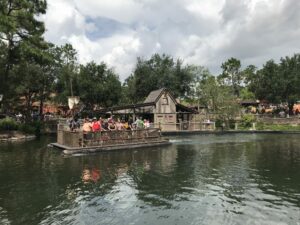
(91, 175)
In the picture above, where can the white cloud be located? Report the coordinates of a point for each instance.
(198, 31)
(119, 51)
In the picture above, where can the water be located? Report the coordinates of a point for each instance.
(201, 179)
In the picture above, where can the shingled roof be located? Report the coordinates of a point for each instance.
(151, 100)
(155, 95)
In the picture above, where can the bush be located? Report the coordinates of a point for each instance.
(247, 120)
(31, 128)
(231, 124)
(8, 124)
(26, 128)
(260, 126)
(218, 123)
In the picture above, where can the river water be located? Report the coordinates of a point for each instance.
(199, 179)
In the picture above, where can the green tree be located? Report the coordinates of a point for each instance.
(158, 72)
(267, 84)
(202, 78)
(289, 70)
(49, 68)
(246, 94)
(129, 90)
(27, 87)
(232, 75)
(98, 85)
(67, 79)
(32, 79)
(250, 81)
(218, 99)
(278, 83)
(249, 74)
(20, 30)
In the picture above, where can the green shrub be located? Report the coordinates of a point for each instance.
(260, 126)
(31, 128)
(8, 124)
(26, 128)
(247, 120)
(218, 123)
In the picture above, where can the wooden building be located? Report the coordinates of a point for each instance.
(160, 108)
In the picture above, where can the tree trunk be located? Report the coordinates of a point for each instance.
(41, 108)
(28, 98)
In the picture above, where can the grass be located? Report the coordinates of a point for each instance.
(277, 127)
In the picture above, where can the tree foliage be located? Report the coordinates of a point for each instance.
(232, 75)
(68, 68)
(158, 72)
(218, 99)
(98, 85)
(278, 83)
(21, 33)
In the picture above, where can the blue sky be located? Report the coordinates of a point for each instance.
(202, 32)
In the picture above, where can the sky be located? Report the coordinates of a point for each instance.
(200, 32)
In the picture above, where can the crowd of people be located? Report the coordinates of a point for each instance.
(109, 124)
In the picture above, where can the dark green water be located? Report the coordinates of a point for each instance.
(207, 179)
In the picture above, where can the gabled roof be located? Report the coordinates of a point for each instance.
(151, 100)
(154, 96)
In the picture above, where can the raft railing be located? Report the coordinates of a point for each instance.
(105, 138)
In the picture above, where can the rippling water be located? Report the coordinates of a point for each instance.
(199, 179)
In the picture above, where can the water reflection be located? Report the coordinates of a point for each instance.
(91, 175)
(226, 179)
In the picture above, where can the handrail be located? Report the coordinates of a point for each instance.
(102, 138)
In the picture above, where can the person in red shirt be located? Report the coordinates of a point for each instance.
(96, 125)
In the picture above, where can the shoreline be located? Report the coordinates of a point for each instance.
(27, 137)
(15, 137)
(167, 133)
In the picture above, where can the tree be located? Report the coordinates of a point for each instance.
(268, 85)
(49, 70)
(32, 79)
(129, 90)
(27, 88)
(249, 74)
(160, 71)
(67, 78)
(232, 75)
(278, 83)
(19, 29)
(202, 76)
(246, 94)
(289, 70)
(250, 81)
(98, 85)
(218, 99)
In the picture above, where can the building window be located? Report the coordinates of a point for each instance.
(165, 100)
